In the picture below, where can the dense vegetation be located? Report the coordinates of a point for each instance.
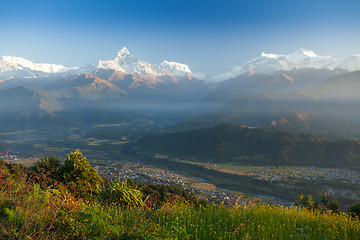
(68, 200)
(255, 146)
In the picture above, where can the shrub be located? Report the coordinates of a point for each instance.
(78, 174)
(307, 202)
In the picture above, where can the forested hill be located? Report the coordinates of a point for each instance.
(256, 146)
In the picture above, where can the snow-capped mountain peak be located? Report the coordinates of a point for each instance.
(175, 68)
(126, 62)
(300, 53)
(10, 63)
(125, 57)
(20, 68)
(123, 52)
(306, 52)
(305, 58)
(351, 63)
(269, 55)
(269, 63)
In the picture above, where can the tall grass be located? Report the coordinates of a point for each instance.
(30, 211)
(47, 215)
(183, 221)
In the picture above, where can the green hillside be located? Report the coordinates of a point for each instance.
(254, 146)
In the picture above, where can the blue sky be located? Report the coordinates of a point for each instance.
(210, 36)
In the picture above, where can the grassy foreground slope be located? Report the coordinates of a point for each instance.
(41, 215)
(33, 206)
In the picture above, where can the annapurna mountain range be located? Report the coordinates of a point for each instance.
(125, 62)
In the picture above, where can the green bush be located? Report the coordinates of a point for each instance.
(157, 195)
(307, 201)
(80, 176)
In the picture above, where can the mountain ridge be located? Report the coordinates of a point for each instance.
(124, 61)
(300, 59)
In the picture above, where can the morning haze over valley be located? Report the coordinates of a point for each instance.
(179, 119)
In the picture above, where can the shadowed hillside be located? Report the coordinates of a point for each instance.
(255, 146)
(318, 124)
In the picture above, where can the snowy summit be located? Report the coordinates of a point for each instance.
(19, 67)
(126, 62)
(302, 58)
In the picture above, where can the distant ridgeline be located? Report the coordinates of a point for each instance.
(254, 146)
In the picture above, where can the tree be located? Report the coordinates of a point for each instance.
(78, 174)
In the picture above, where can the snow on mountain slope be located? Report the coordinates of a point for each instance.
(302, 58)
(16, 67)
(8, 63)
(126, 62)
(352, 63)
(178, 69)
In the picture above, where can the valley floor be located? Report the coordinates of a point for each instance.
(213, 181)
